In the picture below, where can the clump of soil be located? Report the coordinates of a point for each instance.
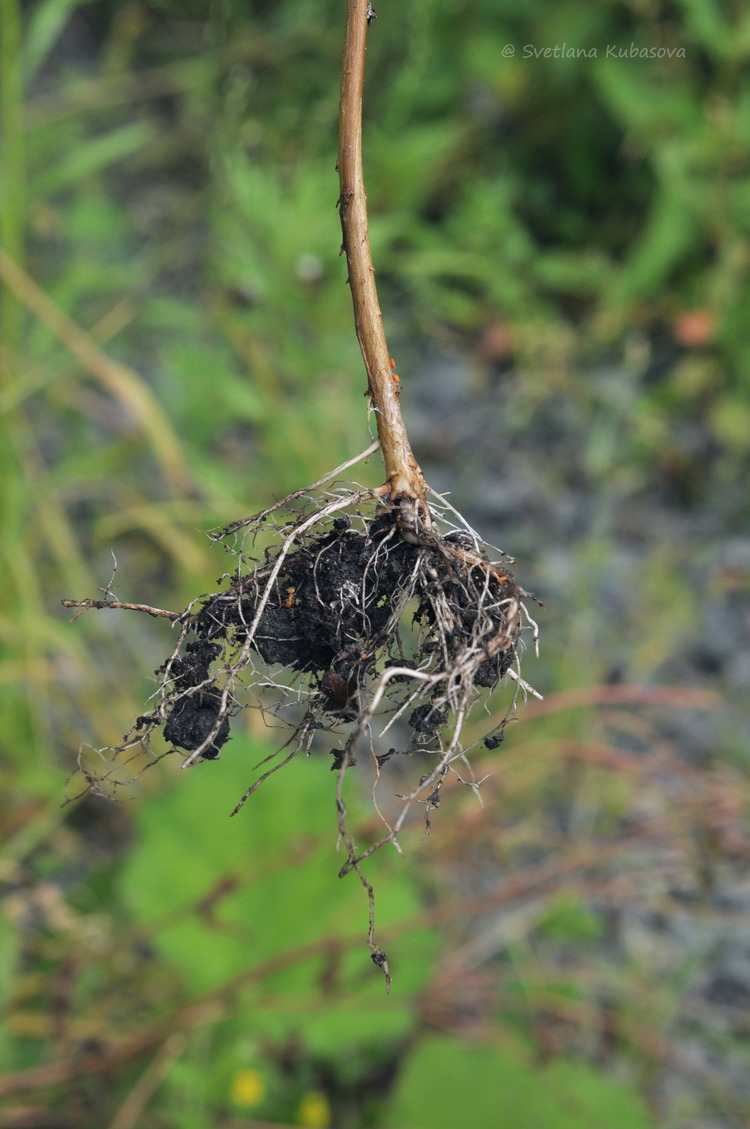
(343, 608)
(333, 597)
(196, 716)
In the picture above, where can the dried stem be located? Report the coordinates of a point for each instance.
(404, 478)
(84, 605)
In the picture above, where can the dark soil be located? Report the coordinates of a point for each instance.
(334, 613)
(195, 716)
(333, 595)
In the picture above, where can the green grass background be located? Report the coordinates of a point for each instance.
(177, 349)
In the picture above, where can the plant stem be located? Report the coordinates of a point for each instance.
(404, 478)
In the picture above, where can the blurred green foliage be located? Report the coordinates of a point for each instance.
(499, 1086)
(176, 349)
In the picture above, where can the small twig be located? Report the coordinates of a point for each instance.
(84, 605)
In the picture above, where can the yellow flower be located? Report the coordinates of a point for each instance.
(248, 1088)
(314, 1111)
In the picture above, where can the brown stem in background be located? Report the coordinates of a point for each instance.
(404, 479)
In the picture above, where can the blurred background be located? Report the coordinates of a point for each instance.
(560, 217)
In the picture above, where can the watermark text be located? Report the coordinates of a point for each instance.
(605, 51)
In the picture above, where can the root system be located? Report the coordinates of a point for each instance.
(349, 630)
(356, 640)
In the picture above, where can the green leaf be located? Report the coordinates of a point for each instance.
(91, 156)
(277, 862)
(45, 25)
(671, 233)
(445, 1078)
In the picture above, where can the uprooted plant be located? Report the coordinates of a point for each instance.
(369, 619)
